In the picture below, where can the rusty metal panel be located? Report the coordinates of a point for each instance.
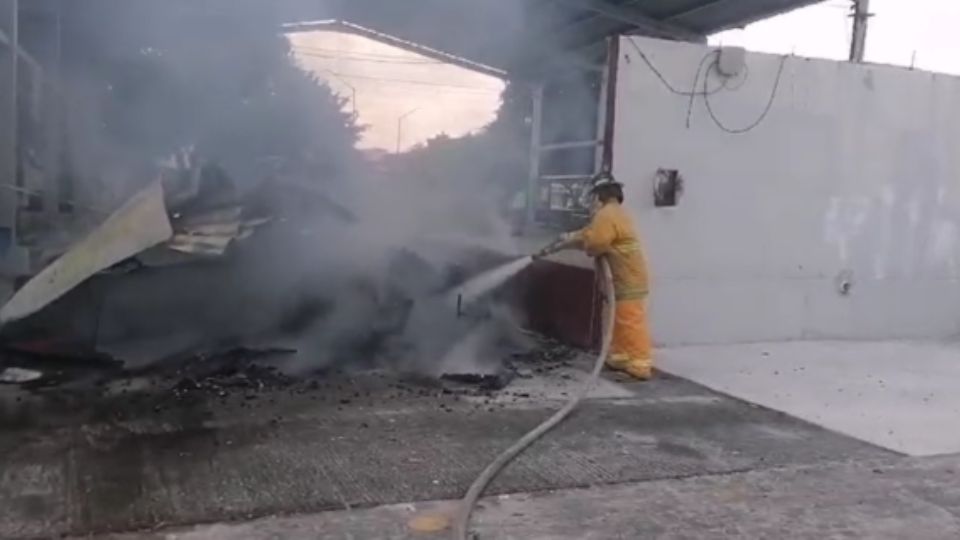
(560, 302)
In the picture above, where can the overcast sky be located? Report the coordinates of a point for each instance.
(389, 83)
(898, 29)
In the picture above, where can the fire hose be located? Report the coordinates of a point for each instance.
(469, 502)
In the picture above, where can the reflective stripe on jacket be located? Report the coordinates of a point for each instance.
(611, 233)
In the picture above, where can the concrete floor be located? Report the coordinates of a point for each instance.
(916, 499)
(130, 462)
(898, 395)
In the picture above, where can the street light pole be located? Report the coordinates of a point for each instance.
(400, 126)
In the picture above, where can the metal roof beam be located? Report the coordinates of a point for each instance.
(698, 9)
(393, 41)
(637, 19)
(593, 33)
(741, 13)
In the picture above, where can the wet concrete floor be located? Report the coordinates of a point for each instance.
(132, 460)
(887, 499)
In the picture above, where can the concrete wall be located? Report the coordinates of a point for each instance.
(853, 173)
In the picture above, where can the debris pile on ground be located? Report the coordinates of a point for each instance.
(241, 370)
(218, 385)
(218, 375)
(547, 356)
(496, 381)
(250, 377)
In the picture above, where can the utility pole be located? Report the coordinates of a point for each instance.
(861, 15)
(400, 126)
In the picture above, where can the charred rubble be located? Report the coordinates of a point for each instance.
(177, 303)
(233, 223)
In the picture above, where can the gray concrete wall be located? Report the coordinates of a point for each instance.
(853, 173)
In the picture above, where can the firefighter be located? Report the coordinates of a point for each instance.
(611, 233)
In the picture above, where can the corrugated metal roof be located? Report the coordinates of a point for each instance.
(509, 34)
(710, 16)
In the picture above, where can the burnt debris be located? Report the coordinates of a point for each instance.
(36, 369)
(496, 381)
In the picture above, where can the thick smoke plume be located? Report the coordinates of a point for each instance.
(354, 267)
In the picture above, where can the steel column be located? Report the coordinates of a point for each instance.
(533, 179)
(636, 18)
(608, 100)
(9, 63)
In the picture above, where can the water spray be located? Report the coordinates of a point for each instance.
(486, 282)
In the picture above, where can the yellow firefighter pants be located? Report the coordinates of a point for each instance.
(632, 348)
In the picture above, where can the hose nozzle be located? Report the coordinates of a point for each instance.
(558, 245)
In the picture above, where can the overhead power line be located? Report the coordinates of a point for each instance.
(474, 89)
(363, 57)
(369, 60)
(396, 60)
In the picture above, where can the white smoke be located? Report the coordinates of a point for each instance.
(359, 286)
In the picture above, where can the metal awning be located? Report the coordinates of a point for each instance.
(516, 35)
(513, 36)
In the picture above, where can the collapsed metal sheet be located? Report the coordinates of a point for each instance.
(200, 245)
(141, 223)
(211, 233)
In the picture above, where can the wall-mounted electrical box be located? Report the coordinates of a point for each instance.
(667, 188)
(731, 61)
